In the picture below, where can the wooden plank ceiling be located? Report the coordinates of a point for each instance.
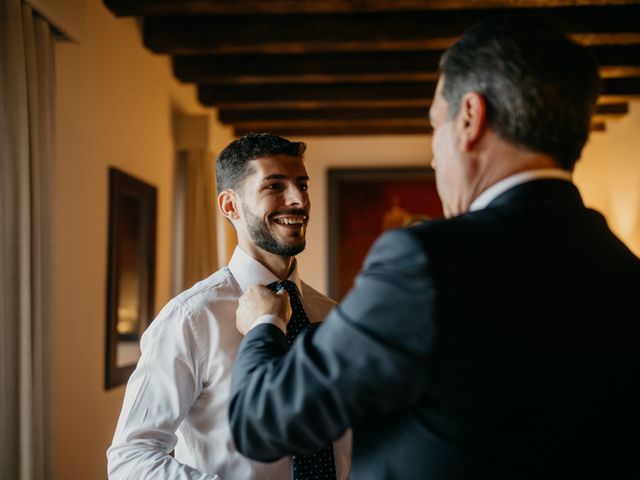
(344, 67)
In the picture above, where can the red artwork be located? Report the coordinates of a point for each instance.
(368, 206)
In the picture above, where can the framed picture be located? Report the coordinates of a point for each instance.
(363, 203)
(130, 272)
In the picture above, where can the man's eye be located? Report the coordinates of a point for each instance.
(274, 186)
(304, 187)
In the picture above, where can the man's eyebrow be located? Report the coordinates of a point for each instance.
(277, 176)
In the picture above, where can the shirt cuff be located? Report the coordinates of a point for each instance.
(272, 319)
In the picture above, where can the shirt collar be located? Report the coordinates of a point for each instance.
(506, 183)
(248, 271)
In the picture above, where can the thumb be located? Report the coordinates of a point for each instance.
(283, 293)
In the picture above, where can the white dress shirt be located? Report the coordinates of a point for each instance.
(177, 397)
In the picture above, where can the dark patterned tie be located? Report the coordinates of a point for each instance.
(319, 465)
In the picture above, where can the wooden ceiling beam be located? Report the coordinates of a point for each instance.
(283, 77)
(612, 109)
(313, 67)
(293, 114)
(622, 61)
(233, 94)
(233, 116)
(619, 55)
(424, 30)
(200, 7)
(283, 95)
(628, 86)
(270, 104)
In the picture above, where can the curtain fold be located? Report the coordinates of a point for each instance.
(27, 71)
(200, 244)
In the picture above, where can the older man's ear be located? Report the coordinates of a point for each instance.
(472, 120)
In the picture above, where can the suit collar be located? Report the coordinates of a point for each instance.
(547, 191)
(495, 190)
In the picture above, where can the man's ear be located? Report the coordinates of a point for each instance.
(471, 120)
(228, 204)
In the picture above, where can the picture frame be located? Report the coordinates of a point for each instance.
(130, 272)
(364, 202)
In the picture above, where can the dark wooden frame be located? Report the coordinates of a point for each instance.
(338, 176)
(121, 186)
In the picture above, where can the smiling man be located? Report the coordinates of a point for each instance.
(177, 397)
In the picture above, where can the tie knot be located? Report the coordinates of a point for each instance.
(288, 285)
(299, 320)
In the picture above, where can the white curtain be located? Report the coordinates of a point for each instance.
(26, 156)
(200, 245)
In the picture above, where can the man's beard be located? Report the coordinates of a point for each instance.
(265, 239)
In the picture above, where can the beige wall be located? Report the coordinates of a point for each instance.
(608, 176)
(115, 104)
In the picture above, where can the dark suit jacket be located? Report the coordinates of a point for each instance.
(502, 343)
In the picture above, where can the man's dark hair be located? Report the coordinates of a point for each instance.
(232, 165)
(540, 87)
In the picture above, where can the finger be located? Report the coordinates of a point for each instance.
(282, 292)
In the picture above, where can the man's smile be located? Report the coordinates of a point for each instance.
(290, 219)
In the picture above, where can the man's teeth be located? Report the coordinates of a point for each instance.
(290, 221)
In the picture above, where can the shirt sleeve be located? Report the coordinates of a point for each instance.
(159, 394)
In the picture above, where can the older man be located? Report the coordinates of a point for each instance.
(496, 343)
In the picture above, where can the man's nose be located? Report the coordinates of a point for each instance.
(297, 196)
